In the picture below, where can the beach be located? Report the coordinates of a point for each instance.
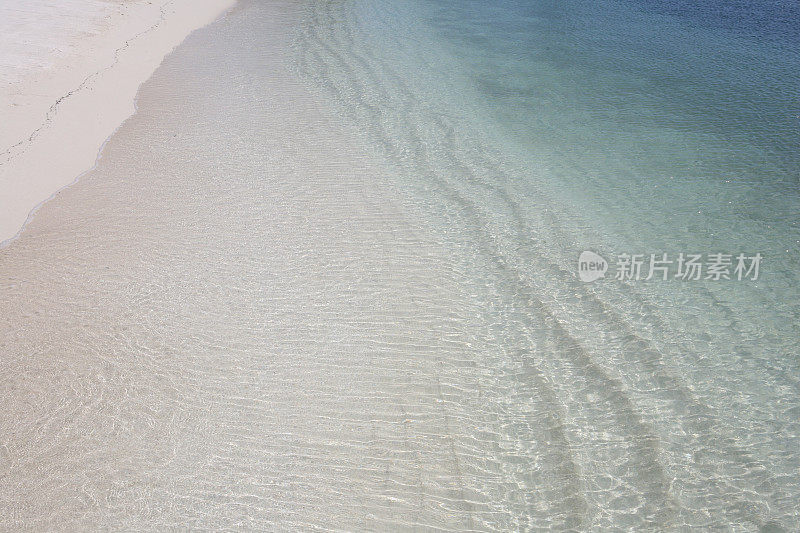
(317, 377)
(70, 74)
(315, 266)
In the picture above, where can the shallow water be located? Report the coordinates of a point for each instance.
(537, 130)
(326, 278)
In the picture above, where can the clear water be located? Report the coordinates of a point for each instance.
(326, 279)
(534, 130)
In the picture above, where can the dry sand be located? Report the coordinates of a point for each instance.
(70, 71)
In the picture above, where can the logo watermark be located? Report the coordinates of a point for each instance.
(591, 266)
(661, 266)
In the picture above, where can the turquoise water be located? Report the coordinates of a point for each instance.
(326, 279)
(534, 130)
(616, 105)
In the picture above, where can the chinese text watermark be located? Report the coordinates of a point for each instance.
(663, 266)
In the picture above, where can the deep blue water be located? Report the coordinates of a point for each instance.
(724, 76)
(760, 20)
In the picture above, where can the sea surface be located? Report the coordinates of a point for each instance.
(327, 278)
(535, 130)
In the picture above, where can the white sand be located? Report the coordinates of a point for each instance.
(69, 72)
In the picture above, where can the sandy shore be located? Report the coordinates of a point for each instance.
(234, 321)
(70, 74)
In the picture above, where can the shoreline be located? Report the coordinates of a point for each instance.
(65, 96)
